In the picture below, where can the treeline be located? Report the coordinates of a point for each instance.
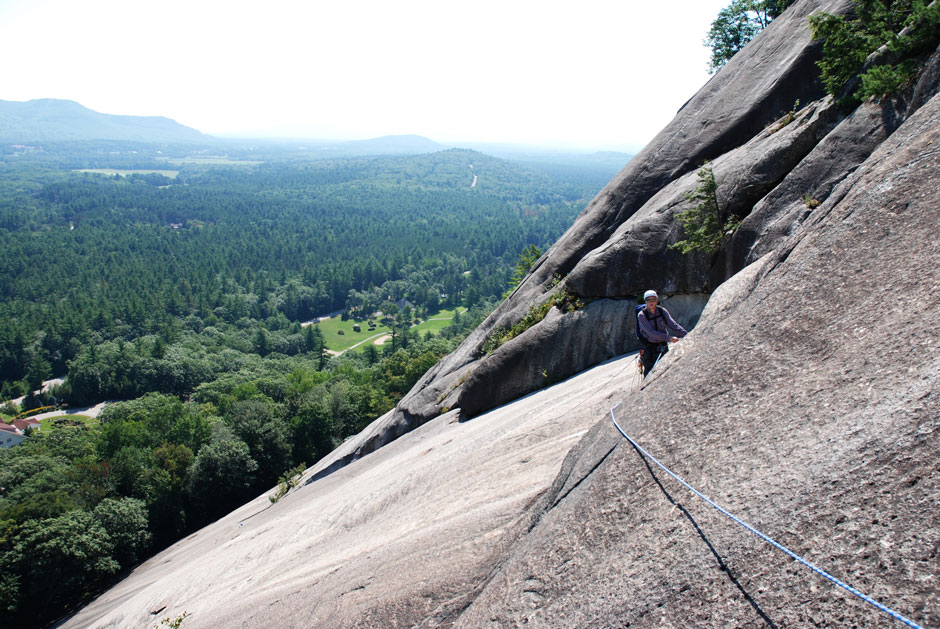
(89, 258)
(84, 502)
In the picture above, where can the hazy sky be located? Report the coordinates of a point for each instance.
(593, 73)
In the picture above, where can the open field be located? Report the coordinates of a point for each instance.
(336, 342)
(124, 173)
(439, 321)
(212, 160)
(48, 424)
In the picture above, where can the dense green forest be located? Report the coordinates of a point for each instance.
(182, 293)
(90, 258)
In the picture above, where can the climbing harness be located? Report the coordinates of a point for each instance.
(639, 359)
(775, 544)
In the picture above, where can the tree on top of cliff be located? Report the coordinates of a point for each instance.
(737, 24)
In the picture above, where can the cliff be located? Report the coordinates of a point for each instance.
(805, 401)
(618, 247)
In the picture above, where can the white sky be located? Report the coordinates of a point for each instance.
(590, 73)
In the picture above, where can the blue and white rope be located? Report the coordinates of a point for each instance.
(723, 511)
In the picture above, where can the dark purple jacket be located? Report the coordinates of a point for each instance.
(656, 329)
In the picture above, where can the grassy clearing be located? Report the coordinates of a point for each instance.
(124, 173)
(337, 342)
(341, 342)
(436, 323)
(212, 160)
(51, 423)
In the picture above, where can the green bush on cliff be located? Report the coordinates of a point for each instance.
(289, 480)
(704, 224)
(566, 302)
(527, 259)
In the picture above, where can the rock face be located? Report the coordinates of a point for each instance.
(806, 401)
(772, 158)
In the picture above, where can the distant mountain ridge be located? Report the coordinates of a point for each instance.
(51, 119)
(395, 144)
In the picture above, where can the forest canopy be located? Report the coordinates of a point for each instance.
(90, 259)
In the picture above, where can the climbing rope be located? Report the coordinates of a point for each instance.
(723, 511)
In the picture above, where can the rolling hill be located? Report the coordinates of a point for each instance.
(50, 119)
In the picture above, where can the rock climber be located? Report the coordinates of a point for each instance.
(656, 329)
